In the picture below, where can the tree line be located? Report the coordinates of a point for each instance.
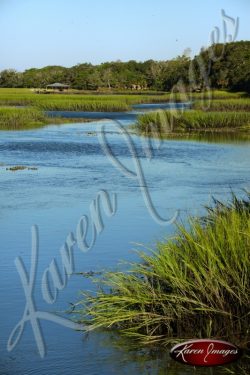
(222, 66)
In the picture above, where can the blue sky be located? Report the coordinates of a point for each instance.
(36, 33)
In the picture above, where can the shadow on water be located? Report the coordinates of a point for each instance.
(155, 106)
(151, 360)
(137, 109)
(94, 115)
(210, 137)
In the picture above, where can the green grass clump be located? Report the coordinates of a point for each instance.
(163, 122)
(61, 102)
(205, 95)
(224, 105)
(19, 118)
(218, 94)
(210, 120)
(75, 104)
(195, 285)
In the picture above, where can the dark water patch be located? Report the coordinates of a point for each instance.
(155, 106)
(138, 109)
(94, 115)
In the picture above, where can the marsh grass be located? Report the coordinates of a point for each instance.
(218, 94)
(40, 103)
(65, 102)
(77, 102)
(194, 285)
(231, 105)
(204, 96)
(209, 120)
(162, 122)
(14, 118)
(18, 118)
(89, 104)
(99, 102)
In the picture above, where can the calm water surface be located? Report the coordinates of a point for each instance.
(71, 169)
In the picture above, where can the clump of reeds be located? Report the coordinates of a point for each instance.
(218, 94)
(231, 105)
(19, 118)
(194, 285)
(163, 122)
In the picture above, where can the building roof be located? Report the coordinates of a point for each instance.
(58, 85)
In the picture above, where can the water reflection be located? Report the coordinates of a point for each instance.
(152, 361)
(211, 137)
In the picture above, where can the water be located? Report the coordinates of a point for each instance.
(130, 116)
(72, 169)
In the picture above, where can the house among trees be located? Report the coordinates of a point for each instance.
(57, 87)
(138, 87)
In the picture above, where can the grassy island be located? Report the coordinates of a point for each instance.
(161, 123)
(16, 118)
